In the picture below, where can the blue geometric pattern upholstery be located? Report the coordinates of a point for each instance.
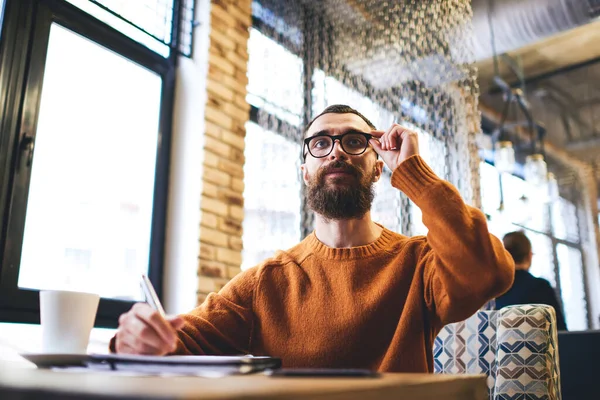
(516, 347)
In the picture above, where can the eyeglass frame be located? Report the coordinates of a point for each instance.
(368, 136)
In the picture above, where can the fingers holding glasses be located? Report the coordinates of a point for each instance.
(393, 137)
(395, 145)
(390, 139)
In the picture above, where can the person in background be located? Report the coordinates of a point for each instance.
(352, 294)
(527, 289)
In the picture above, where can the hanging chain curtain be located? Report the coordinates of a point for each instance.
(407, 62)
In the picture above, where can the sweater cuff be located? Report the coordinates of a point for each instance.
(413, 176)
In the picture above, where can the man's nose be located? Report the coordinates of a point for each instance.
(337, 152)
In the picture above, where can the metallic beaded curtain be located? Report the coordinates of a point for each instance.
(408, 62)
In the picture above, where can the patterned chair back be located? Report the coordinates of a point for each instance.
(516, 347)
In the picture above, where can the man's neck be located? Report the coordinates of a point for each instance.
(522, 267)
(347, 232)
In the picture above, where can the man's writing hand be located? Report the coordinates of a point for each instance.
(142, 330)
(395, 145)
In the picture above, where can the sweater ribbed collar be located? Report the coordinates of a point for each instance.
(322, 251)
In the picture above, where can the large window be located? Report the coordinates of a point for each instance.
(268, 89)
(86, 94)
(552, 230)
(89, 211)
(271, 196)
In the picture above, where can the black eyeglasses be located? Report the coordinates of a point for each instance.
(353, 143)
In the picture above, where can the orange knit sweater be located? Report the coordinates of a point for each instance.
(378, 306)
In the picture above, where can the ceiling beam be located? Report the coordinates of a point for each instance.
(586, 144)
(564, 100)
(551, 74)
(589, 103)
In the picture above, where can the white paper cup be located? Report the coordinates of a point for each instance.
(67, 319)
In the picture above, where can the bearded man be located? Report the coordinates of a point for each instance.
(352, 294)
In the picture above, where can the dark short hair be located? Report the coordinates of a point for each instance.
(339, 109)
(518, 245)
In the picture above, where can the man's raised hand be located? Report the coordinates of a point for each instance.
(395, 145)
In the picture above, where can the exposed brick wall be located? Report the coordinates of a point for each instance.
(226, 113)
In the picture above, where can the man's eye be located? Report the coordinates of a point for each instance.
(355, 142)
(320, 143)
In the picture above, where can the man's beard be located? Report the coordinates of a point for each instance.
(350, 200)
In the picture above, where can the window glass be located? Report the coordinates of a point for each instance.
(517, 200)
(90, 202)
(490, 199)
(386, 208)
(519, 209)
(274, 78)
(572, 290)
(433, 152)
(328, 91)
(278, 24)
(539, 209)
(490, 188)
(542, 263)
(151, 15)
(1, 14)
(564, 220)
(271, 195)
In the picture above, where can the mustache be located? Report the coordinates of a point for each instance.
(337, 166)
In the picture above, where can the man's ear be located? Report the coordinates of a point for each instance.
(304, 173)
(378, 170)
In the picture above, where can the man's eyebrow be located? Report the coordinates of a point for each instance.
(327, 132)
(354, 130)
(323, 132)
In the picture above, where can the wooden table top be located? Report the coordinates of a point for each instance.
(14, 382)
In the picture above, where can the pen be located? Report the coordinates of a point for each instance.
(150, 295)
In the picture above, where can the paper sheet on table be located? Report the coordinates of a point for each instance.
(207, 366)
(185, 360)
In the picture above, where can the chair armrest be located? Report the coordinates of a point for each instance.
(527, 355)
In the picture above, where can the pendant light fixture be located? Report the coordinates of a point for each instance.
(504, 156)
(535, 169)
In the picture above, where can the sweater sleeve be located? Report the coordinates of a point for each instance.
(463, 264)
(223, 323)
